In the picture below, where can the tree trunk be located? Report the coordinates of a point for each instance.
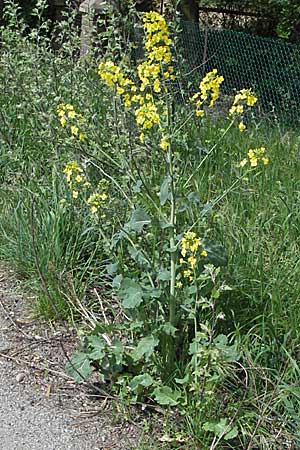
(189, 10)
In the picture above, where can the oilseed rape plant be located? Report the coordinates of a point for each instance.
(164, 276)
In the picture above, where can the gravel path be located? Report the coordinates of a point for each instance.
(39, 409)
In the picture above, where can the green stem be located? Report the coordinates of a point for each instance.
(172, 304)
(170, 350)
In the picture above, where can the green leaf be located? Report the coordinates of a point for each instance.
(231, 433)
(152, 292)
(165, 396)
(144, 380)
(138, 256)
(79, 366)
(164, 275)
(117, 281)
(131, 293)
(145, 348)
(184, 380)
(112, 268)
(229, 352)
(165, 225)
(164, 191)
(139, 219)
(97, 345)
(221, 428)
(117, 348)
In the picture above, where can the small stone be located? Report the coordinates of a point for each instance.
(20, 377)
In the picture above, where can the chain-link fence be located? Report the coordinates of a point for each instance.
(269, 66)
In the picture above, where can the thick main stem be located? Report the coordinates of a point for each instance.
(172, 304)
(172, 299)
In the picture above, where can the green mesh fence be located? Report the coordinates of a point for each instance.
(271, 67)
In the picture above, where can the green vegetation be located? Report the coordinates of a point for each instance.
(131, 215)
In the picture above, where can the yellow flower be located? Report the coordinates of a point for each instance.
(243, 97)
(190, 242)
(74, 130)
(200, 113)
(72, 166)
(156, 85)
(242, 127)
(253, 162)
(96, 200)
(164, 144)
(187, 273)
(78, 178)
(179, 284)
(71, 114)
(94, 209)
(243, 162)
(204, 253)
(251, 153)
(251, 99)
(192, 261)
(265, 161)
(63, 121)
(120, 90)
(68, 115)
(75, 194)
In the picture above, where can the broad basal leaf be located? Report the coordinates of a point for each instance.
(131, 293)
(145, 348)
(165, 396)
(143, 380)
(79, 366)
(97, 345)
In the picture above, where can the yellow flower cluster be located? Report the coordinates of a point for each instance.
(115, 79)
(157, 51)
(77, 181)
(75, 178)
(69, 117)
(191, 246)
(245, 97)
(98, 198)
(209, 89)
(151, 74)
(147, 115)
(254, 156)
(164, 144)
